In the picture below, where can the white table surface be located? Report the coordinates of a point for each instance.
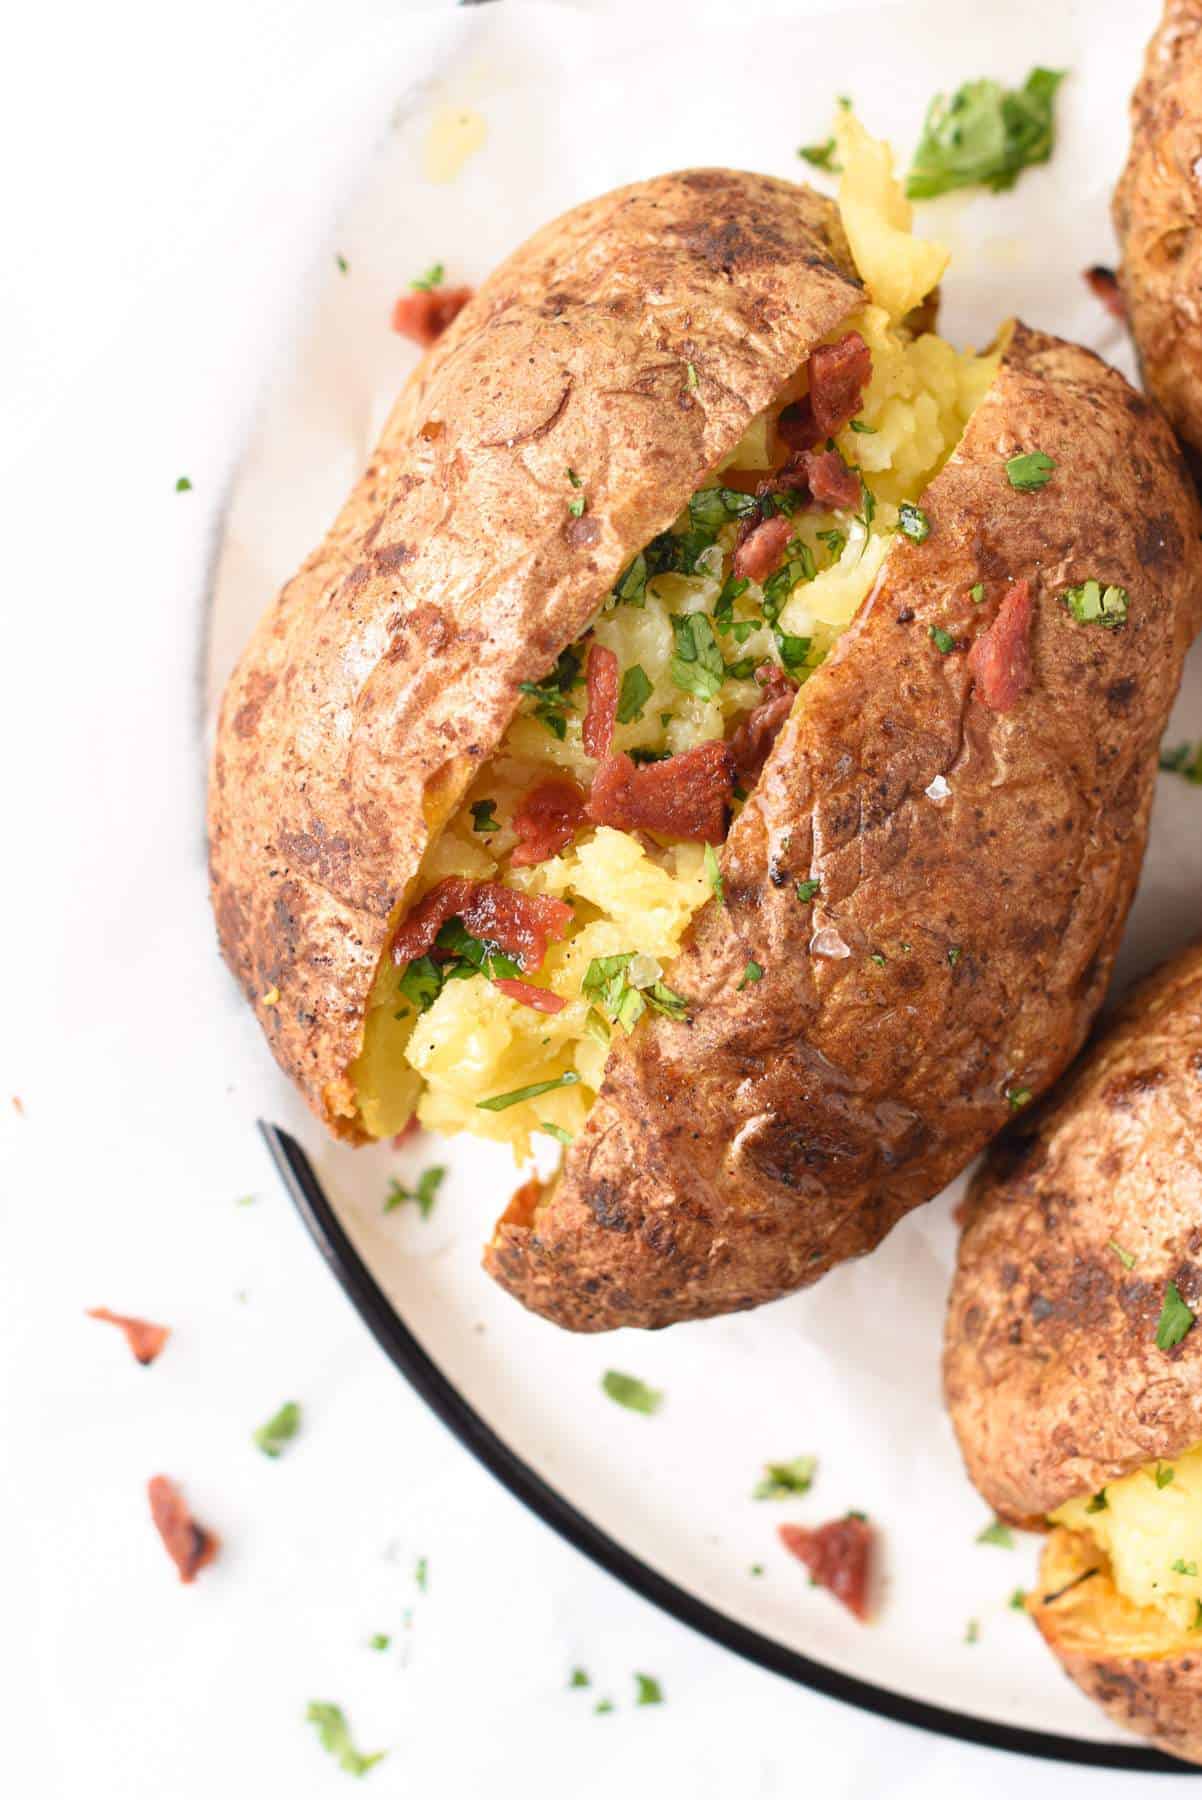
(140, 141)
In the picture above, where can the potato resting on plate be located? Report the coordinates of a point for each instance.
(1073, 1365)
(718, 733)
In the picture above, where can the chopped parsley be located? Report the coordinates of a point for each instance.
(183, 485)
(984, 135)
(499, 1102)
(1098, 1503)
(713, 874)
(379, 1640)
(820, 156)
(579, 1678)
(625, 985)
(550, 696)
(756, 1569)
(630, 1392)
(633, 695)
(1185, 760)
(724, 605)
(1031, 471)
(859, 425)
(335, 1736)
(604, 1706)
(573, 478)
(343, 265)
(1018, 1600)
(1018, 1097)
(1176, 1319)
(279, 1430)
(576, 505)
(976, 592)
(1197, 1624)
(913, 522)
(698, 667)
(943, 640)
(808, 888)
(434, 277)
(1124, 1256)
(713, 507)
(691, 381)
(421, 982)
(423, 1196)
(998, 1534)
(867, 512)
(954, 953)
(751, 974)
(835, 541)
(782, 1479)
(554, 1131)
(1093, 604)
(484, 815)
(972, 1632)
(1163, 1475)
(421, 1575)
(650, 1692)
(631, 586)
(1181, 1567)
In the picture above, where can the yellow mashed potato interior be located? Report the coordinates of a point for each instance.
(472, 1043)
(1149, 1527)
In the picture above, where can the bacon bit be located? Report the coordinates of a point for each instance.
(548, 818)
(18, 1106)
(602, 683)
(188, 1544)
(1104, 283)
(829, 479)
(754, 737)
(1000, 659)
(144, 1339)
(407, 1133)
(837, 1555)
(839, 373)
(541, 999)
(425, 314)
(684, 797)
(762, 548)
(519, 924)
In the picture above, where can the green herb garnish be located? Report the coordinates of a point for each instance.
(976, 592)
(421, 982)
(943, 640)
(550, 695)
(972, 1632)
(499, 1102)
(859, 425)
(698, 667)
(997, 1534)
(913, 522)
(1164, 1474)
(1181, 1567)
(423, 1196)
(649, 1691)
(604, 1706)
(335, 1736)
(554, 1131)
(484, 815)
(808, 888)
(713, 874)
(183, 485)
(713, 507)
(631, 586)
(1124, 1256)
(782, 1479)
(421, 1574)
(1185, 760)
(1098, 1503)
(751, 974)
(984, 135)
(633, 695)
(1176, 1319)
(630, 1392)
(820, 156)
(1092, 604)
(279, 1430)
(434, 277)
(1026, 473)
(1018, 1600)
(1018, 1097)
(379, 1640)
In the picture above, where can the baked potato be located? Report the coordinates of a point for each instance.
(718, 733)
(1157, 207)
(1074, 1369)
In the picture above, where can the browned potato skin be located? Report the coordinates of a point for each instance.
(1053, 1378)
(1106, 1645)
(788, 1126)
(1156, 215)
(386, 672)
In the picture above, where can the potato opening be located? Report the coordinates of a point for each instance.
(708, 640)
(1122, 1570)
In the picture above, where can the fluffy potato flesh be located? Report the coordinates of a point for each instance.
(1143, 1537)
(443, 1048)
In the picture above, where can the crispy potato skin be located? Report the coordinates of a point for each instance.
(788, 1126)
(387, 671)
(1052, 1375)
(1103, 1645)
(1156, 215)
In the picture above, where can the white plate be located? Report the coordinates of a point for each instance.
(850, 1370)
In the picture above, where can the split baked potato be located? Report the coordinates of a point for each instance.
(1157, 212)
(1073, 1367)
(718, 733)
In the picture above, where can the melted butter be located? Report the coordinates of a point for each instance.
(455, 133)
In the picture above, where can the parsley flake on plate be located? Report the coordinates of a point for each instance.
(1018, 1600)
(630, 1392)
(279, 1430)
(1176, 1318)
(579, 1678)
(1181, 1567)
(820, 156)
(434, 277)
(1185, 760)
(650, 1693)
(343, 266)
(780, 1480)
(335, 1736)
(997, 1534)
(183, 485)
(423, 1196)
(984, 135)
(421, 1574)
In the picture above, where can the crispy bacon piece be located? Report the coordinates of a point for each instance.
(684, 797)
(830, 481)
(839, 373)
(188, 1544)
(1104, 283)
(407, 1133)
(425, 313)
(754, 737)
(602, 684)
(762, 548)
(144, 1339)
(838, 1556)
(541, 999)
(549, 817)
(1000, 659)
(519, 924)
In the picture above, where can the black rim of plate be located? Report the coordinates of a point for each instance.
(478, 1437)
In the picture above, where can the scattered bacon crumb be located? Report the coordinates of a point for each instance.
(424, 314)
(144, 1339)
(549, 817)
(602, 682)
(1000, 659)
(1104, 283)
(683, 797)
(407, 1133)
(541, 999)
(18, 1106)
(188, 1544)
(519, 924)
(751, 740)
(838, 1556)
(830, 481)
(762, 548)
(839, 373)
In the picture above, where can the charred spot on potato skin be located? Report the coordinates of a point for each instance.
(1122, 1093)
(258, 689)
(604, 1201)
(391, 558)
(582, 533)
(1120, 694)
